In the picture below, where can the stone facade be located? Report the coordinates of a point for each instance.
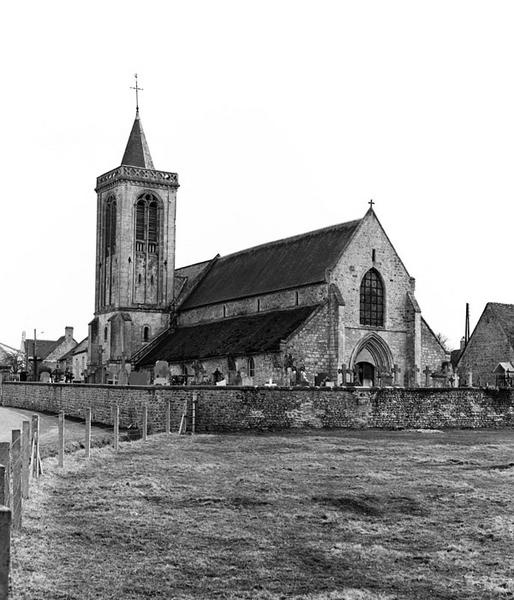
(135, 261)
(334, 341)
(491, 342)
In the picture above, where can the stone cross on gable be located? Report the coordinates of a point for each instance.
(427, 372)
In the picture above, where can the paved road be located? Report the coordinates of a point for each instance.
(12, 418)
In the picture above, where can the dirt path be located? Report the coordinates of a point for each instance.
(12, 418)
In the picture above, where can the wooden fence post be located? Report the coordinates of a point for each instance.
(5, 550)
(61, 439)
(116, 428)
(88, 433)
(25, 459)
(145, 422)
(16, 478)
(193, 413)
(168, 417)
(35, 457)
(5, 459)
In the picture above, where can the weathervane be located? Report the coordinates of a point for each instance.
(138, 89)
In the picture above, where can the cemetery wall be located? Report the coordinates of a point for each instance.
(240, 409)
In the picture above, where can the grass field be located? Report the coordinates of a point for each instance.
(311, 516)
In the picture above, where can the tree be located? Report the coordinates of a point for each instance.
(443, 340)
(12, 359)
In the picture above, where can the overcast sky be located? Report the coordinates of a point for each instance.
(279, 117)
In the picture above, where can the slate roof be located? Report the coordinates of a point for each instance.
(237, 336)
(43, 347)
(137, 153)
(505, 315)
(283, 264)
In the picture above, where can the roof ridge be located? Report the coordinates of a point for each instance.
(290, 239)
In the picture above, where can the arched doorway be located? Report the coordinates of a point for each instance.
(370, 361)
(365, 374)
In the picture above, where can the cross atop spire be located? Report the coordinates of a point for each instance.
(371, 204)
(138, 89)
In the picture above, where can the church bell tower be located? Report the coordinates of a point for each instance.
(135, 258)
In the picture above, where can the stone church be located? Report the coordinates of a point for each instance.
(334, 306)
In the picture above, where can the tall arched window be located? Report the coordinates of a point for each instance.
(110, 226)
(147, 224)
(146, 333)
(372, 299)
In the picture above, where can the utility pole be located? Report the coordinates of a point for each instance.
(466, 329)
(35, 356)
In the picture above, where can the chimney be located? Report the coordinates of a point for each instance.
(68, 333)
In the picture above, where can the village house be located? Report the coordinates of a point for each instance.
(47, 352)
(491, 343)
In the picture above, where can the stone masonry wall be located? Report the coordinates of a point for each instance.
(486, 348)
(432, 354)
(258, 409)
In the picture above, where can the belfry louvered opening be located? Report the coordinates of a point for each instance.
(147, 224)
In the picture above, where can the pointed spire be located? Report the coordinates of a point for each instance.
(137, 153)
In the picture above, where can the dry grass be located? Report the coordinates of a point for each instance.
(330, 516)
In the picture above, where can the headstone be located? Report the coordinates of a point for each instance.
(469, 378)
(416, 371)
(161, 369)
(396, 374)
(44, 377)
(139, 378)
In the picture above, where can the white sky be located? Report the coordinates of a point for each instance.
(280, 117)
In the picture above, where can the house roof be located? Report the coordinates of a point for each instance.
(137, 153)
(43, 347)
(504, 367)
(283, 264)
(250, 334)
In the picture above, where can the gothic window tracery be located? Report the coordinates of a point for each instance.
(372, 299)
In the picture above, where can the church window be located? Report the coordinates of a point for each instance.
(147, 224)
(373, 255)
(139, 278)
(151, 280)
(251, 367)
(146, 333)
(296, 298)
(105, 334)
(372, 299)
(231, 363)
